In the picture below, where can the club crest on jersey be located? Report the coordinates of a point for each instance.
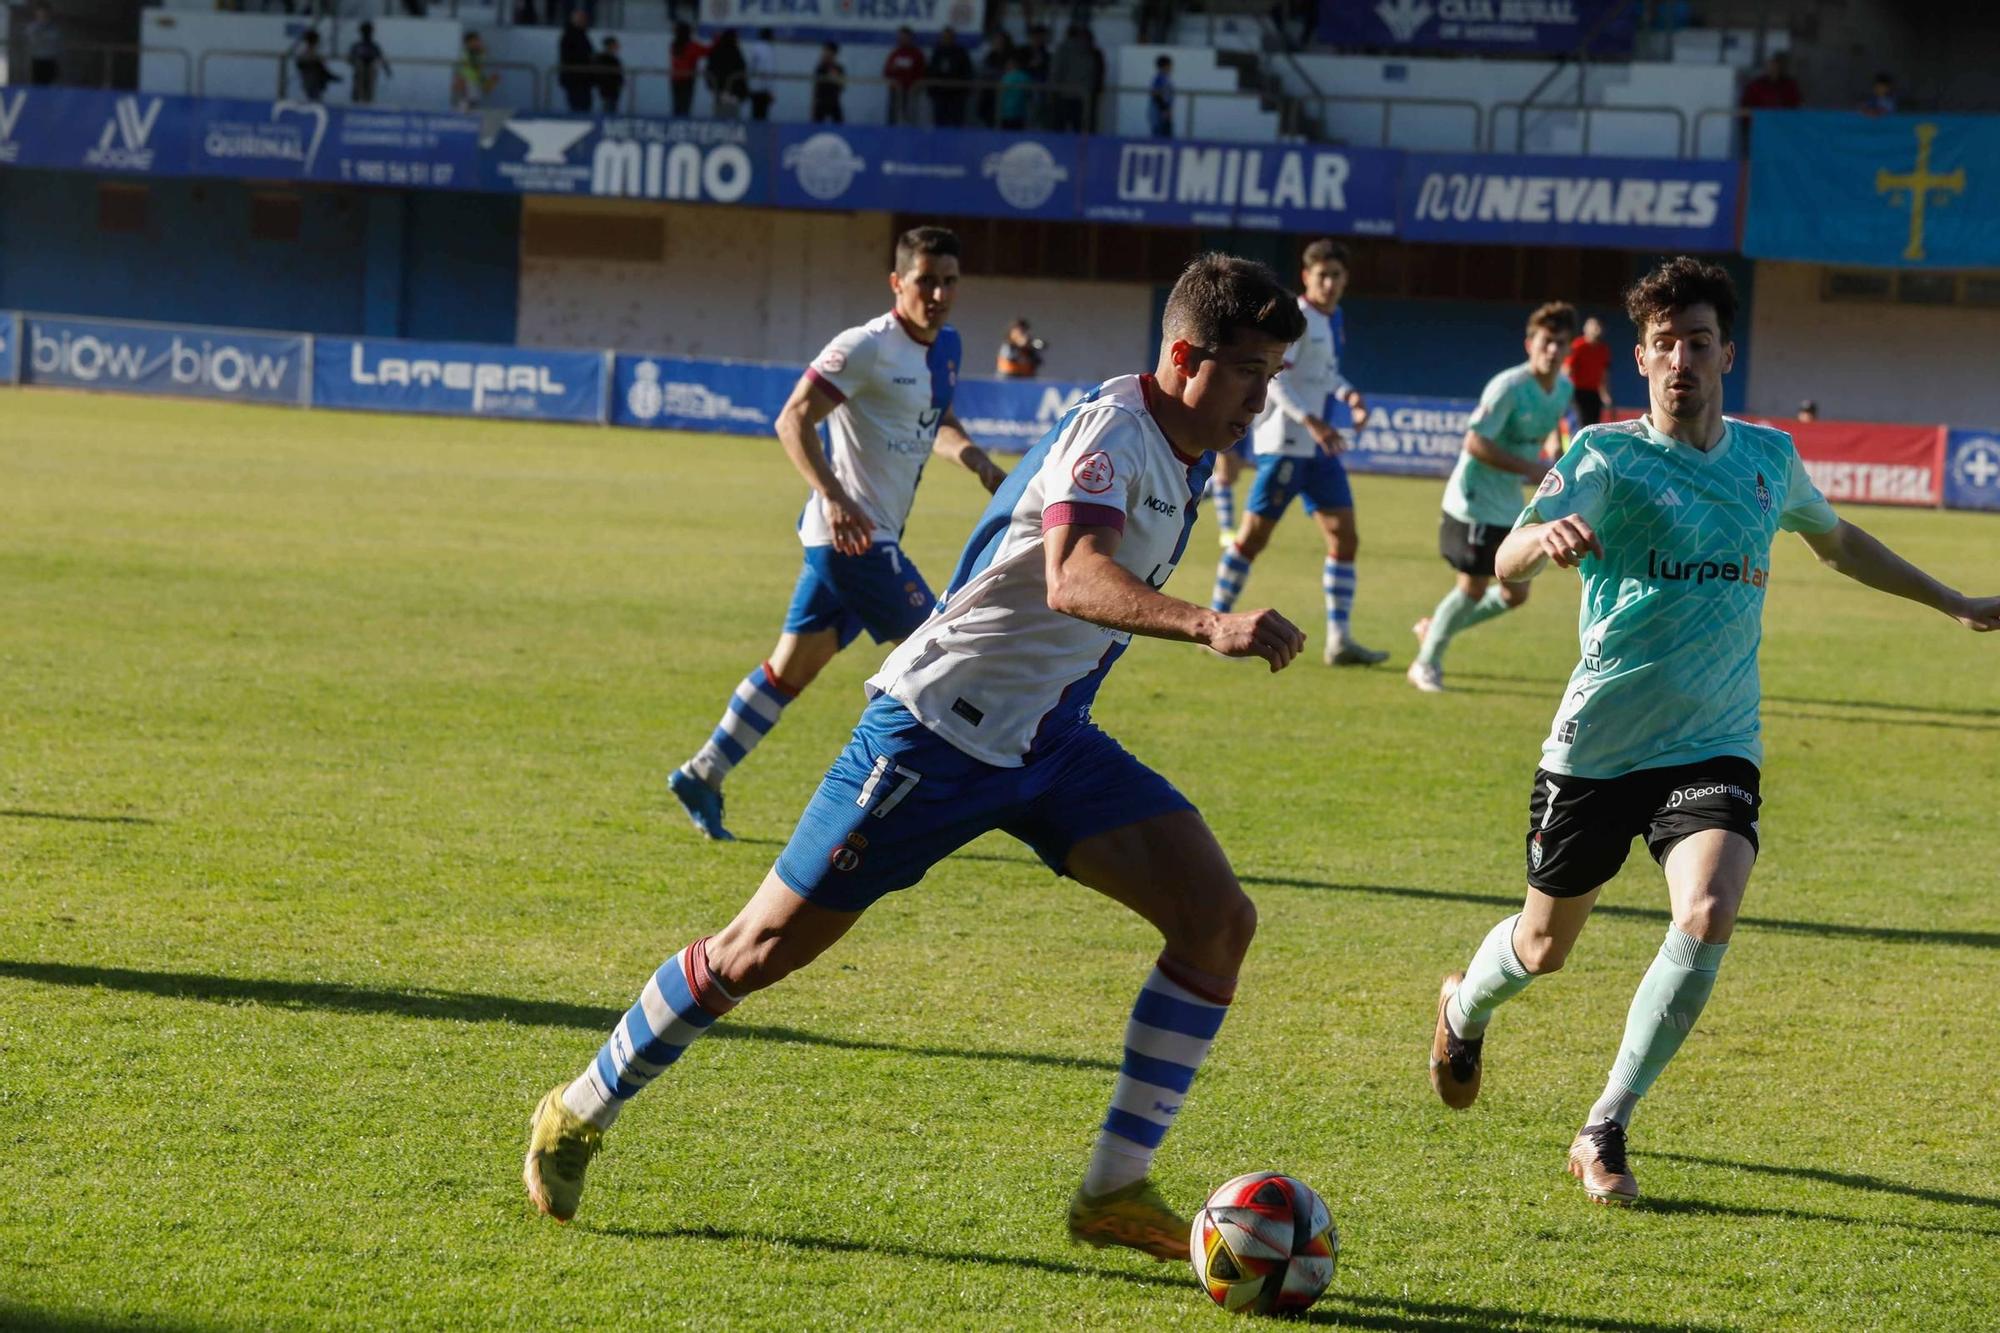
(1535, 847)
(1552, 484)
(1763, 494)
(1093, 472)
(834, 361)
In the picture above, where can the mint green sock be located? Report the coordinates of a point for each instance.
(1494, 976)
(1444, 624)
(1483, 610)
(1664, 1009)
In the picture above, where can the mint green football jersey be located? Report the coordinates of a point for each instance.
(1517, 414)
(1673, 612)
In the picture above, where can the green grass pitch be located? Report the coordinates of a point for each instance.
(332, 832)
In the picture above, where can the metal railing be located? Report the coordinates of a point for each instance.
(102, 60)
(282, 72)
(1587, 115)
(1390, 105)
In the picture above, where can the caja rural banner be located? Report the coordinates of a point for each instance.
(847, 20)
(1972, 469)
(459, 379)
(1525, 27)
(157, 358)
(1496, 199)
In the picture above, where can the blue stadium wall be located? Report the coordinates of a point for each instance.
(386, 263)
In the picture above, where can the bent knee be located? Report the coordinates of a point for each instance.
(1513, 594)
(1215, 930)
(1541, 954)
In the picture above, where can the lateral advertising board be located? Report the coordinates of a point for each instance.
(1616, 203)
(186, 362)
(459, 379)
(1258, 187)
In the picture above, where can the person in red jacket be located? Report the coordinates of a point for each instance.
(684, 56)
(904, 69)
(1588, 366)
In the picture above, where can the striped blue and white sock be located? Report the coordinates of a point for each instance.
(1222, 499)
(754, 709)
(1230, 573)
(1337, 582)
(1175, 1020)
(679, 1003)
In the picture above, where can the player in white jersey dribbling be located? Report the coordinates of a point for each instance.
(884, 390)
(981, 721)
(1297, 450)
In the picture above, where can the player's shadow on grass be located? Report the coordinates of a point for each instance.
(1936, 717)
(16, 1316)
(1360, 1312)
(1857, 1182)
(1709, 1208)
(472, 1007)
(76, 819)
(1976, 939)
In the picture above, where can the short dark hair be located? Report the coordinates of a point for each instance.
(1163, 62)
(1325, 251)
(1557, 317)
(924, 241)
(1677, 284)
(1219, 295)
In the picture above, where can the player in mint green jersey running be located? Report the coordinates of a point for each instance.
(1504, 442)
(1670, 519)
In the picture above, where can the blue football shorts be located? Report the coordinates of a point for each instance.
(899, 799)
(1320, 480)
(880, 590)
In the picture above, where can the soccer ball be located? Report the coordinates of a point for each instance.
(1264, 1244)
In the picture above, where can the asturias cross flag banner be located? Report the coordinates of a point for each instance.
(1885, 191)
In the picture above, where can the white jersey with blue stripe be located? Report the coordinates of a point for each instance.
(994, 671)
(1311, 376)
(893, 391)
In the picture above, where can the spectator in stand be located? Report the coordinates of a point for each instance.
(1808, 410)
(1160, 99)
(951, 75)
(45, 48)
(610, 76)
(993, 68)
(1071, 71)
(314, 76)
(469, 80)
(903, 69)
(1037, 60)
(1017, 91)
(760, 62)
(829, 82)
(365, 59)
(684, 57)
(1020, 357)
(1881, 100)
(1094, 106)
(728, 75)
(1773, 90)
(1588, 366)
(576, 60)
(1156, 22)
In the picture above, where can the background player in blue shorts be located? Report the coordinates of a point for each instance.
(884, 391)
(1297, 449)
(981, 721)
(1670, 520)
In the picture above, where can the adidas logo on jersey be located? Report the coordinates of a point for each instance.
(1671, 498)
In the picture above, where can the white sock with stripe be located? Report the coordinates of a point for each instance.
(1222, 499)
(754, 709)
(1230, 573)
(1175, 1020)
(1337, 582)
(680, 1002)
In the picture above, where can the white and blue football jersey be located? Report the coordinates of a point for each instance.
(1311, 376)
(994, 671)
(893, 391)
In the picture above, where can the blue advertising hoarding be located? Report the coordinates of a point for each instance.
(680, 393)
(630, 157)
(1838, 187)
(157, 358)
(848, 20)
(10, 347)
(1409, 437)
(459, 379)
(1495, 27)
(79, 129)
(1628, 203)
(438, 150)
(1269, 187)
(1972, 469)
(974, 172)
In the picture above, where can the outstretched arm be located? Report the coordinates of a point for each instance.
(1084, 581)
(953, 443)
(1855, 553)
